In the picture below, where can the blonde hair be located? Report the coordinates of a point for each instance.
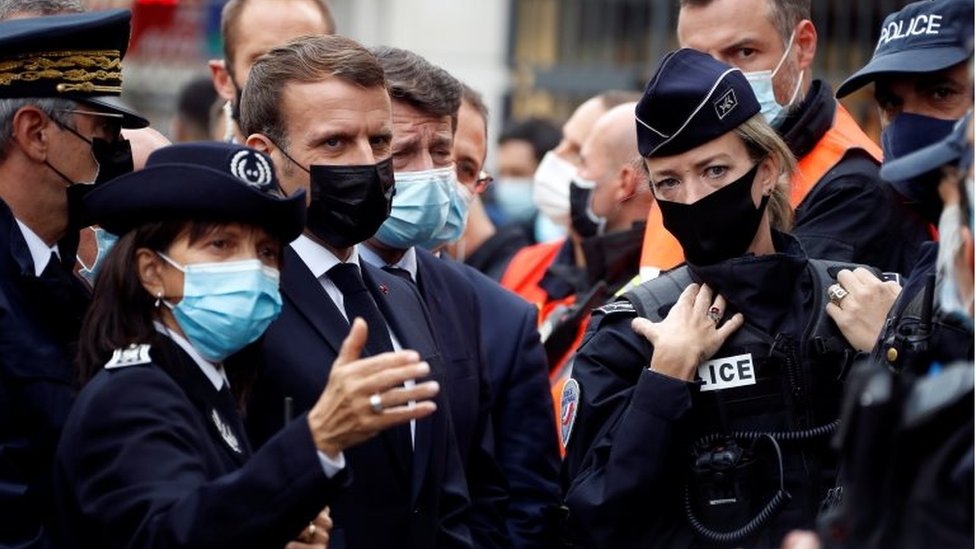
(761, 140)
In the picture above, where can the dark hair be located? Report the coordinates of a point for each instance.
(303, 60)
(122, 311)
(783, 14)
(231, 14)
(195, 102)
(421, 84)
(542, 134)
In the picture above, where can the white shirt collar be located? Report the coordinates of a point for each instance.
(39, 250)
(214, 372)
(317, 257)
(408, 262)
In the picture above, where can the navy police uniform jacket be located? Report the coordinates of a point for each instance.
(39, 322)
(630, 452)
(851, 214)
(396, 498)
(154, 457)
(525, 438)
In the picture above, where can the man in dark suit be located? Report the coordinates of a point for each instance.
(427, 212)
(319, 106)
(50, 122)
(521, 411)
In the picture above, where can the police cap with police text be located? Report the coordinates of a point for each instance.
(76, 56)
(690, 100)
(204, 181)
(926, 36)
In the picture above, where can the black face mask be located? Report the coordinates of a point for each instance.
(718, 227)
(349, 203)
(585, 223)
(114, 158)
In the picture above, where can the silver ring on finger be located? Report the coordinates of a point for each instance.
(714, 314)
(310, 532)
(376, 403)
(836, 293)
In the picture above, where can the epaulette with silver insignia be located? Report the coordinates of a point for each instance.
(133, 355)
(621, 306)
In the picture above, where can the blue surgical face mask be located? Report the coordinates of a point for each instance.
(105, 241)
(457, 218)
(514, 196)
(546, 230)
(420, 207)
(762, 85)
(225, 305)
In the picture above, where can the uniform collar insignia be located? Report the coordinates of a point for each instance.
(130, 356)
(225, 432)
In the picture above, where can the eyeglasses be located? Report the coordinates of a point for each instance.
(113, 126)
(484, 179)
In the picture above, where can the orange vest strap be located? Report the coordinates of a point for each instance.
(527, 268)
(662, 251)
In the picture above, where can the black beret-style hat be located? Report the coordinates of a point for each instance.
(926, 36)
(76, 56)
(199, 181)
(690, 100)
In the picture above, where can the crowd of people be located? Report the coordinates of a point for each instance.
(714, 313)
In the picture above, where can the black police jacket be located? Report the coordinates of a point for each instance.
(39, 322)
(634, 447)
(159, 458)
(851, 214)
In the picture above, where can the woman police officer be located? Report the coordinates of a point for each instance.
(153, 453)
(705, 420)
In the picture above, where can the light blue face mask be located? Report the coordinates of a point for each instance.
(762, 85)
(546, 230)
(420, 207)
(457, 218)
(105, 241)
(514, 196)
(225, 305)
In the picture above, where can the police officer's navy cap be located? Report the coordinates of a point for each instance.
(690, 100)
(925, 36)
(76, 56)
(204, 181)
(946, 152)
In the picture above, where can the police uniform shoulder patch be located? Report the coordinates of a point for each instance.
(133, 355)
(568, 407)
(618, 307)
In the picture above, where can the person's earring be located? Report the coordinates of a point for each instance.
(159, 298)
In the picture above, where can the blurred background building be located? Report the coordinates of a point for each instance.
(529, 57)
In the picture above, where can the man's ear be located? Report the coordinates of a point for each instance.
(150, 269)
(221, 80)
(260, 142)
(31, 129)
(627, 182)
(806, 40)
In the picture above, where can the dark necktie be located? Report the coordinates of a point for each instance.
(358, 302)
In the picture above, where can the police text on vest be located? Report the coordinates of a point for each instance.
(726, 373)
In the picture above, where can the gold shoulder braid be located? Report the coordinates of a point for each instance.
(73, 70)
